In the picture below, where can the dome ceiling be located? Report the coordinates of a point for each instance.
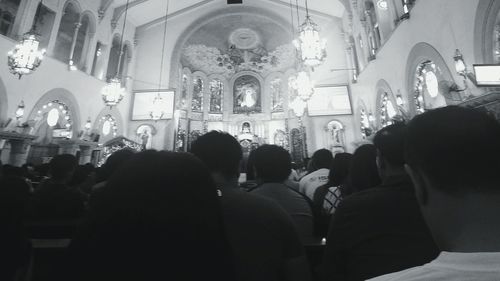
(142, 12)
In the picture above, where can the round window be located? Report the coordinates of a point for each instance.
(53, 117)
(106, 127)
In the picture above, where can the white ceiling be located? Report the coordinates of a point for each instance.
(142, 12)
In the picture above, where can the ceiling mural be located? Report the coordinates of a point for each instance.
(233, 60)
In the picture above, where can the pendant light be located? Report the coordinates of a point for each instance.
(26, 56)
(311, 48)
(158, 106)
(113, 92)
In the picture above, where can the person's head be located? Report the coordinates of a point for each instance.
(221, 152)
(453, 158)
(115, 161)
(363, 172)
(62, 167)
(272, 163)
(153, 214)
(390, 143)
(339, 169)
(321, 159)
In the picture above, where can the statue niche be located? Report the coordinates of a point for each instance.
(247, 95)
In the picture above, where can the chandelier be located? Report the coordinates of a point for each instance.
(303, 85)
(311, 48)
(113, 92)
(158, 105)
(26, 56)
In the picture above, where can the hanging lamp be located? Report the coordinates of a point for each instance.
(158, 106)
(113, 92)
(310, 47)
(26, 56)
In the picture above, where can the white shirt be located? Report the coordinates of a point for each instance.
(452, 266)
(309, 183)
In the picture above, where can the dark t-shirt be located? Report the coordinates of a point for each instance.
(54, 201)
(377, 231)
(261, 233)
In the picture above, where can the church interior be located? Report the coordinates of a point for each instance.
(249, 140)
(104, 74)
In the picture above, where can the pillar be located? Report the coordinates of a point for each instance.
(18, 152)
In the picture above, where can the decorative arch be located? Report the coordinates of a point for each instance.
(74, 3)
(59, 97)
(84, 37)
(363, 116)
(104, 115)
(3, 102)
(424, 58)
(114, 57)
(487, 15)
(193, 27)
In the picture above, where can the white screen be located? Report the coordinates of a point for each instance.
(330, 100)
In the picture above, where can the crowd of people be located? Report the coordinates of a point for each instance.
(420, 202)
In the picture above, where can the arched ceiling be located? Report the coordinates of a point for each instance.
(143, 12)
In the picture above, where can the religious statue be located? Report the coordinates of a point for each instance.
(246, 97)
(247, 94)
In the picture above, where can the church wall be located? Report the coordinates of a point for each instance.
(180, 28)
(446, 25)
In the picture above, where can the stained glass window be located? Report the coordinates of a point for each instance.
(216, 95)
(277, 95)
(184, 91)
(197, 101)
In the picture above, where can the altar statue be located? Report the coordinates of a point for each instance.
(247, 97)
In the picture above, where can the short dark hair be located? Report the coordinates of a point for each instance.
(458, 148)
(220, 152)
(272, 163)
(390, 142)
(61, 166)
(322, 158)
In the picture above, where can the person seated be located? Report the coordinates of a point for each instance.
(319, 166)
(54, 199)
(263, 236)
(363, 171)
(453, 158)
(158, 218)
(379, 230)
(15, 247)
(272, 165)
(327, 197)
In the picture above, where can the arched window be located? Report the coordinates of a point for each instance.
(53, 121)
(125, 62)
(387, 111)
(184, 91)
(373, 28)
(366, 124)
(82, 44)
(70, 20)
(427, 93)
(197, 100)
(216, 88)
(8, 12)
(114, 57)
(496, 39)
(277, 95)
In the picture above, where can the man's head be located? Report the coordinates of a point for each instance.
(220, 152)
(272, 163)
(390, 143)
(321, 159)
(453, 158)
(456, 149)
(62, 167)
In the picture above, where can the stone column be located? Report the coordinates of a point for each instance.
(19, 149)
(73, 43)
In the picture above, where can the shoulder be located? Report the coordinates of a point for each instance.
(420, 273)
